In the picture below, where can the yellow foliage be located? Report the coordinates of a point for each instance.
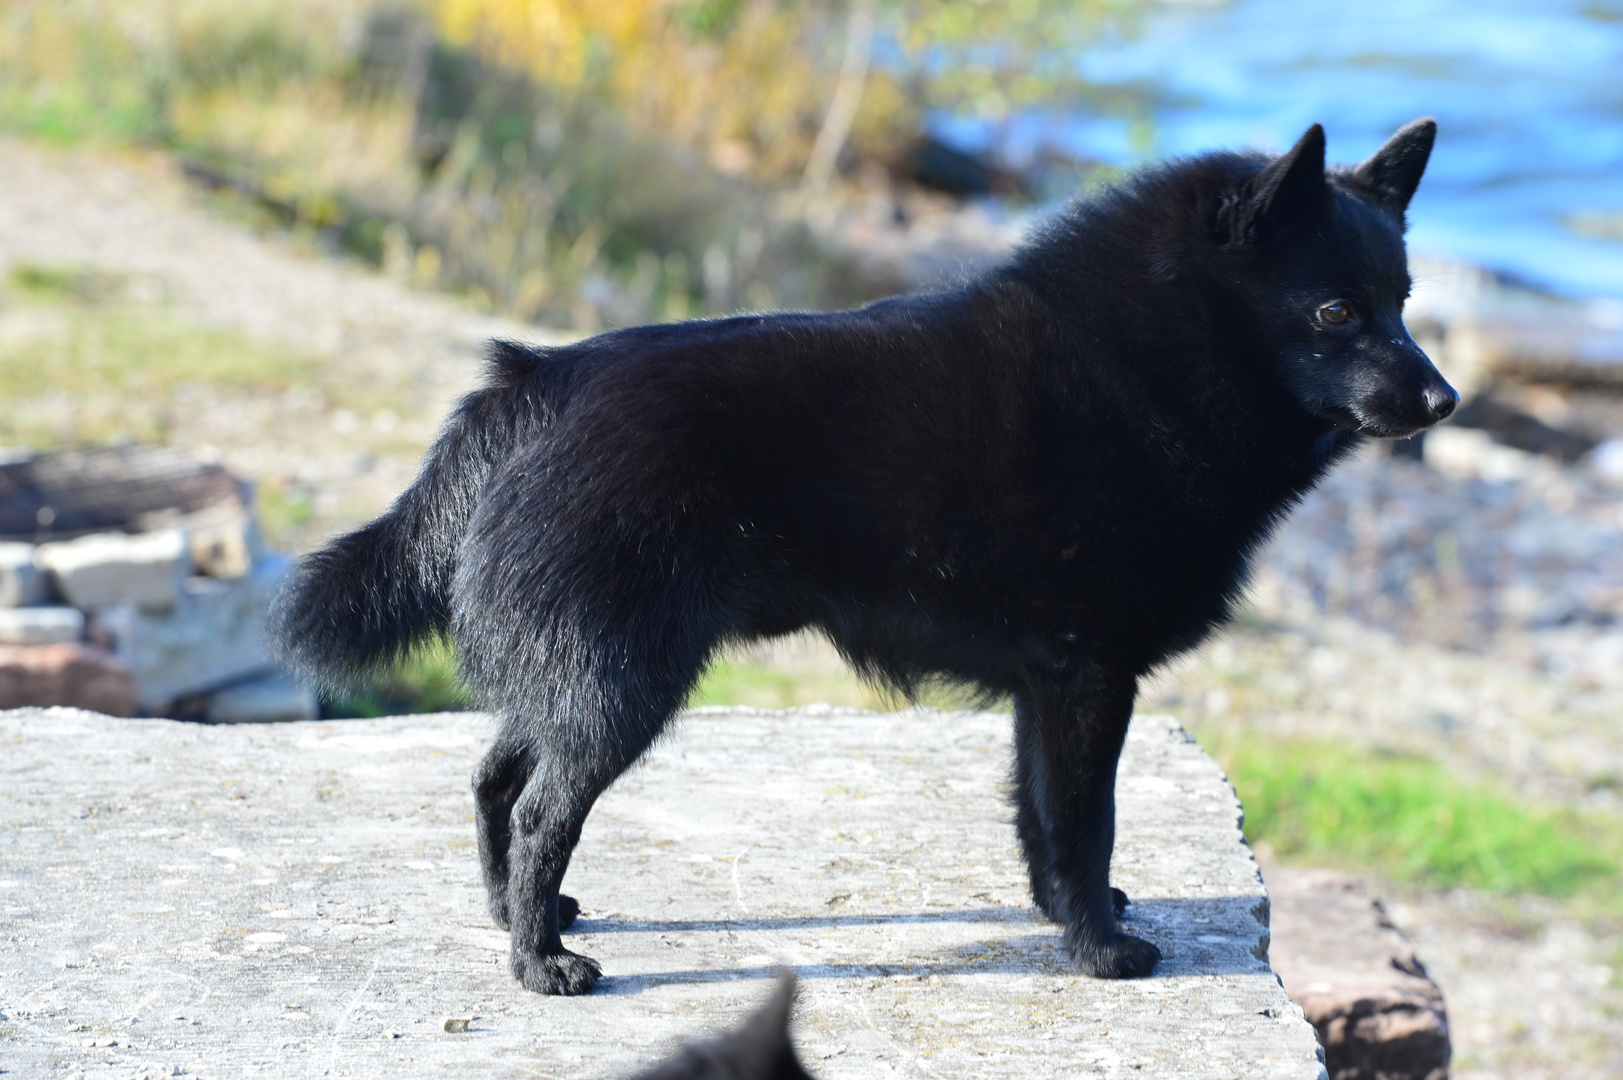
(749, 81)
(745, 81)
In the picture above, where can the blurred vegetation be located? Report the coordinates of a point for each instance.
(751, 81)
(560, 160)
(1409, 819)
(88, 357)
(425, 683)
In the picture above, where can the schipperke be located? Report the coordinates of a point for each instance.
(1041, 483)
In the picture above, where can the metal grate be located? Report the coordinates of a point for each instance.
(60, 496)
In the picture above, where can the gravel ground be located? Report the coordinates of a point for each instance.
(198, 257)
(1472, 620)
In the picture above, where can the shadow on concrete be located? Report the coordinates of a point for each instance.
(808, 922)
(1228, 935)
(636, 984)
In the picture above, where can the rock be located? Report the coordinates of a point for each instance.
(41, 625)
(700, 873)
(272, 699)
(21, 582)
(213, 637)
(1606, 460)
(65, 674)
(107, 569)
(224, 541)
(1378, 1014)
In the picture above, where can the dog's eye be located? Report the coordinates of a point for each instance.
(1336, 313)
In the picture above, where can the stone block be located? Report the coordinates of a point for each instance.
(213, 637)
(224, 541)
(1378, 1014)
(103, 570)
(21, 581)
(273, 699)
(307, 897)
(65, 674)
(41, 625)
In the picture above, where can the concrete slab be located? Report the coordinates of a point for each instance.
(302, 900)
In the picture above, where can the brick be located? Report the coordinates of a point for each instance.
(70, 674)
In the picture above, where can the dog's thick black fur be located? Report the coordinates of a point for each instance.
(1044, 483)
(760, 1048)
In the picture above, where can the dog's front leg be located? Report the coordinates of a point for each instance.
(1069, 735)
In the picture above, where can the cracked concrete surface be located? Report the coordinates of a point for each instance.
(303, 900)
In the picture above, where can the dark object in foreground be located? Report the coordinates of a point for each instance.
(758, 1049)
(1378, 1014)
(1043, 483)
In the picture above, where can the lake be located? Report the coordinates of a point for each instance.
(1527, 175)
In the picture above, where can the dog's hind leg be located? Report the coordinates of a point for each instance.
(574, 765)
(620, 696)
(1074, 731)
(497, 783)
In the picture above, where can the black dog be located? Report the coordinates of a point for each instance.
(1042, 483)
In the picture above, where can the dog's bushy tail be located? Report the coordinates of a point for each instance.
(362, 602)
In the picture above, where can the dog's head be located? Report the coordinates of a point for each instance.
(1323, 276)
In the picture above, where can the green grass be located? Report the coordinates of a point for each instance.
(425, 683)
(1410, 819)
(732, 683)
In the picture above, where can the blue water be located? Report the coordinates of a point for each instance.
(1528, 98)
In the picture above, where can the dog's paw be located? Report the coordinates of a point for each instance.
(499, 913)
(1124, 957)
(568, 911)
(564, 973)
(1118, 901)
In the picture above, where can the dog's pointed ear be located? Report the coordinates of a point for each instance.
(1393, 172)
(1289, 191)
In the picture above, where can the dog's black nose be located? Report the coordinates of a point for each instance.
(1441, 400)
